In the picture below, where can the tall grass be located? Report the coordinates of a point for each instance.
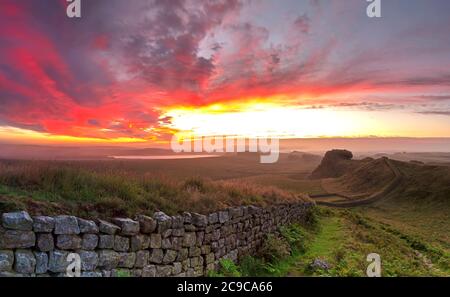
(96, 191)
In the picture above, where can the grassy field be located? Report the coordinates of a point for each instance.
(109, 188)
(343, 239)
(408, 228)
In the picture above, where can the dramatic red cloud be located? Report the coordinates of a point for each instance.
(124, 69)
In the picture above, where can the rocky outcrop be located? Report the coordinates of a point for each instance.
(334, 164)
(189, 244)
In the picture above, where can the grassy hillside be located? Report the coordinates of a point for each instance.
(368, 178)
(342, 239)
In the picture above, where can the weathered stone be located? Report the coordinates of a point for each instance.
(166, 233)
(91, 274)
(108, 228)
(253, 209)
(170, 256)
(187, 217)
(15, 239)
(57, 261)
(43, 224)
(136, 273)
(236, 212)
(121, 244)
(319, 264)
(185, 264)
(190, 228)
(140, 242)
(156, 256)
(182, 255)
(89, 242)
(89, 260)
(190, 272)
(210, 258)
(206, 249)
(166, 243)
(106, 241)
(177, 222)
(189, 239)
(25, 262)
(45, 242)
(223, 217)
(87, 226)
(142, 258)
(68, 242)
(128, 226)
(147, 224)
(127, 260)
(163, 271)
(177, 243)
(194, 251)
(41, 262)
(149, 271)
(178, 232)
(213, 218)
(6, 260)
(195, 262)
(66, 225)
(216, 234)
(108, 259)
(20, 220)
(200, 236)
(199, 220)
(155, 241)
(210, 268)
(177, 268)
(164, 221)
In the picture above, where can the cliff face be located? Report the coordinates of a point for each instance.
(335, 163)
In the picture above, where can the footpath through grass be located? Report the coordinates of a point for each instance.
(342, 239)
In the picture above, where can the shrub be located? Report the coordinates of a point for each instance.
(310, 219)
(227, 269)
(251, 266)
(274, 248)
(295, 236)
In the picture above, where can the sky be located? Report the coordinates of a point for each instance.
(139, 71)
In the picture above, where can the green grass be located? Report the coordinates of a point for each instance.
(343, 239)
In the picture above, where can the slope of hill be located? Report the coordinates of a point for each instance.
(373, 179)
(334, 164)
(366, 179)
(407, 200)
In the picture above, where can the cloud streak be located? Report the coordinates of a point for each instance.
(114, 72)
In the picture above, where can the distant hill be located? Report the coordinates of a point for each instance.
(356, 179)
(47, 152)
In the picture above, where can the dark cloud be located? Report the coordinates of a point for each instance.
(302, 23)
(436, 112)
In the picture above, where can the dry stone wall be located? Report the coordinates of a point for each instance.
(189, 244)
